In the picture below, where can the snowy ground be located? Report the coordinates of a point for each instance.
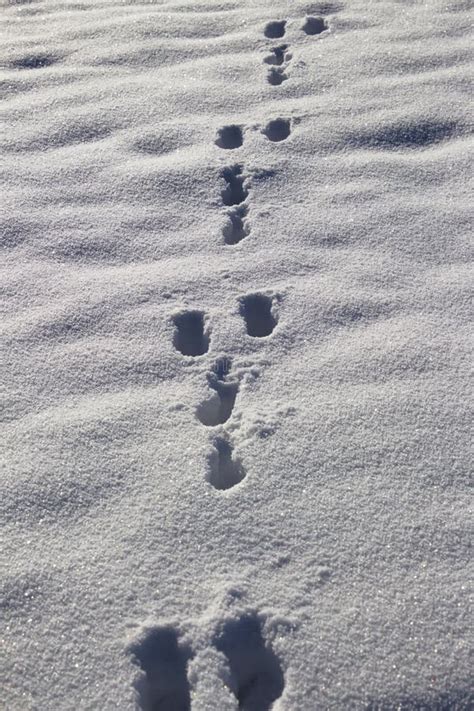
(235, 329)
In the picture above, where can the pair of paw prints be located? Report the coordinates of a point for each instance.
(232, 136)
(247, 666)
(192, 336)
(275, 29)
(279, 58)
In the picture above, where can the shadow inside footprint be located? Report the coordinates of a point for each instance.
(256, 674)
(277, 56)
(237, 228)
(275, 29)
(315, 25)
(275, 77)
(235, 192)
(224, 470)
(229, 137)
(165, 686)
(256, 310)
(218, 408)
(277, 130)
(189, 336)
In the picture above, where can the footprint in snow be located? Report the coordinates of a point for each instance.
(235, 191)
(190, 336)
(277, 56)
(218, 408)
(315, 25)
(225, 470)
(275, 77)
(257, 311)
(237, 228)
(256, 677)
(277, 130)
(163, 659)
(275, 29)
(229, 137)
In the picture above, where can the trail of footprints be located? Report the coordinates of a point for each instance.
(279, 58)
(226, 471)
(256, 677)
(235, 193)
(191, 338)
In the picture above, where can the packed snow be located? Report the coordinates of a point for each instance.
(237, 296)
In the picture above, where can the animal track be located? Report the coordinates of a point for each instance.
(275, 77)
(164, 661)
(237, 228)
(276, 74)
(315, 25)
(277, 130)
(225, 471)
(229, 137)
(218, 408)
(256, 675)
(190, 337)
(256, 310)
(275, 29)
(235, 192)
(277, 57)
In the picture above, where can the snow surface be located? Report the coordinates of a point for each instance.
(236, 303)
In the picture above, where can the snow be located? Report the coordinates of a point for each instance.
(236, 350)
